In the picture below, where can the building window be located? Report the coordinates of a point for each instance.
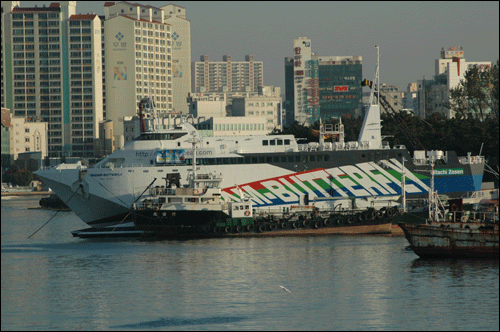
(26, 130)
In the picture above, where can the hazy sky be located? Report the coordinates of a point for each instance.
(410, 34)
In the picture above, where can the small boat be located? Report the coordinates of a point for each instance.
(198, 210)
(126, 230)
(454, 232)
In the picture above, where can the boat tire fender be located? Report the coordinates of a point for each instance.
(306, 223)
(317, 224)
(227, 229)
(295, 225)
(250, 228)
(239, 229)
(283, 225)
(327, 222)
(272, 227)
(262, 228)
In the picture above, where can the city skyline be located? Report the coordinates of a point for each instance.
(410, 35)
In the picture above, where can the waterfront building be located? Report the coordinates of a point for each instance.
(321, 86)
(181, 56)
(138, 48)
(434, 94)
(51, 72)
(207, 108)
(267, 104)
(227, 75)
(20, 136)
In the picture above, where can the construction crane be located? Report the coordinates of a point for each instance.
(398, 119)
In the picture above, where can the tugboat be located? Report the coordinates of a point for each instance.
(454, 232)
(199, 210)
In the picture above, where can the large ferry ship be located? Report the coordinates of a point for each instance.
(274, 170)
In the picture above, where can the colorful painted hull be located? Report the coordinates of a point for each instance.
(103, 196)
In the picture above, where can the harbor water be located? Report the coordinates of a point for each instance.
(54, 281)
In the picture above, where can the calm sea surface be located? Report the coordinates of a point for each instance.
(56, 282)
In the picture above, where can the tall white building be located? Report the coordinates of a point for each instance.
(138, 48)
(51, 72)
(181, 56)
(227, 75)
(434, 94)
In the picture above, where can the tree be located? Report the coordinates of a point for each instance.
(476, 94)
(18, 176)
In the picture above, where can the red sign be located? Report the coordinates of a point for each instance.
(341, 88)
(298, 63)
(299, 72)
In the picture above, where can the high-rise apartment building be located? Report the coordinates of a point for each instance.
(181, 56)
(138, 48)
(227, 75)
(51, 72)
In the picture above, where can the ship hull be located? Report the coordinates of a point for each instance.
(453, 240)
(248, 227)
(103, 196)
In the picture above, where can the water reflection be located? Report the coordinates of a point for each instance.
(180, 322)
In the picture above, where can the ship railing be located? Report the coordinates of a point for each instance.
(146, 205)
(162, 191)
(472, 216)
(471, 160)
(303, 147)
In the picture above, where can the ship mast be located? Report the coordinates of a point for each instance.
(370, 136)
(376, 81)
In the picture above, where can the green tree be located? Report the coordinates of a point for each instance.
(18, 176)
(476, 94)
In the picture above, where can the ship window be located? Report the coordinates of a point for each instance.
(312, 158)
(283, 159)
(327, 157)
(261, 160)
(159, 136)
(297, 159)
(290, 159)
(254, 160)
(276, 159)
(269, 159)
(287, 142)
(236, 207)
(320, 157)
(265, 142)
(272, 142)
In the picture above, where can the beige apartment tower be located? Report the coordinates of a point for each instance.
(138, 48)
(181, 56)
